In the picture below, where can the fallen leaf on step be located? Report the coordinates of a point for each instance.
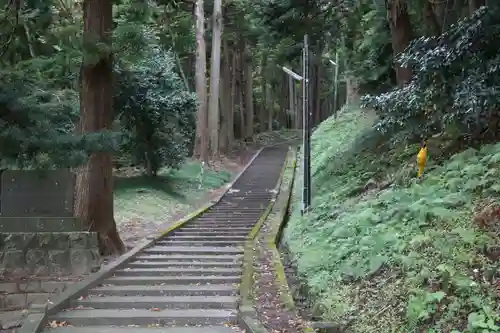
(55, 323)
(155, 309)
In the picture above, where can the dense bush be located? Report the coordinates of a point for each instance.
(156, 111)
(455, 86)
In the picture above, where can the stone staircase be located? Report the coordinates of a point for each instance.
(187, 282)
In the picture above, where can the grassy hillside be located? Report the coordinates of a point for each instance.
(383, 252)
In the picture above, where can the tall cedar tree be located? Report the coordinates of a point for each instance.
(94, 183)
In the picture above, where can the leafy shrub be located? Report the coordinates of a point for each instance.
(455, 85)
(156, 111)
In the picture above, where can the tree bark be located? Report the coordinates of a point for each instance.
(291, 102)
(475, 4)
(316, 96)
(401, 35)
(213, 104)
(94, 181)
(230, 115)
(248, 74)
(241, 105)
(225, 100)
(432, 26)
(270, 109)
(263, 107)
(201, 142)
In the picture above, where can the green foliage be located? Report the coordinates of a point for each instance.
(138, 197)
(156, 112)
(39, 69)
(454, 86)
(373, 246)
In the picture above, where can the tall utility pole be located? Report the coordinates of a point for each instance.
(306, 186)
(306, 128)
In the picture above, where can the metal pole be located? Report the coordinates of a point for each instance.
(306, 189)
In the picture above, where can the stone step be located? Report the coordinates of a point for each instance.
(223, 224)
(172, 280)
(132, 329)
(221, 228)
(177, 271)
(183, 264)
(190, 257)
(228, 227)
(161, 302)
(230, 217)
(165, 290)
(197, 238)
(211, 250)
(240, 211)
(209, 242)
(226, 219)
(196, 232)
(164, 317)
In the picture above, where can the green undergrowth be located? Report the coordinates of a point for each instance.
(383, 252)
(138, 197)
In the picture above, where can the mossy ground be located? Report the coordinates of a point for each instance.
(383, 252)
(143, 203)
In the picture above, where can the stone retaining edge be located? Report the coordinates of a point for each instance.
(247, 315)
(273, 241)
(37, 319)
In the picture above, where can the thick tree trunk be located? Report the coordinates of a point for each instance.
(401, 34)
(431, 24)
(248, 92)
(241, 105)
(94, 181)
(213, 105)
(225, 100)
(230, 115)
(201, 142)
(263, 107)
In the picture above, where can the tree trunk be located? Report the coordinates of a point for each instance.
(352, 92)
(248, 92)
(230, 115)
(201, 142)
(263, 107)
(401, 35)
(225, 100)
(213, 105)
(240, 96)
(291, 103)
(431, 24)
(283, 102)
(316, 96)
(94, 181)
(475, 4)
(270, 110)
(298, 102)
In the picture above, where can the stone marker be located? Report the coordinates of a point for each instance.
(32, 193)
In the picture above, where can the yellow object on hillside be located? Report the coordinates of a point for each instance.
(421, 159)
